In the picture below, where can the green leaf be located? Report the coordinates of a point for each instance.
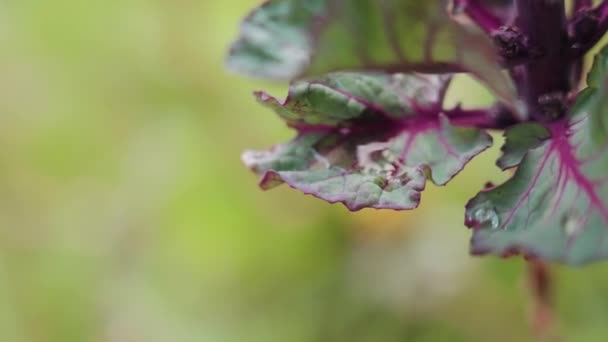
(519, 140)
(287, 39)
(338, 97)
(377, 152)
(555, 207)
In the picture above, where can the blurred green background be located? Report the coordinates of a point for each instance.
(126, 215)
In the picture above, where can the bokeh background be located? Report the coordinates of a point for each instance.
(126, 215)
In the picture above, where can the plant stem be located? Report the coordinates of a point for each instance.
(578, 4)
(581, 45)
(495, 117)
(539, 282)
(486, 20)
(544, 24)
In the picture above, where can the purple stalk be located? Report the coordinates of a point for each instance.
(602, 12)
(540, 284)
(486, 20)
(579, 4)
(586, 28)
(486, 118)
(578, 7)
(544, 23)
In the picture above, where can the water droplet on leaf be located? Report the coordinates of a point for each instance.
(398, 77)
(572, 223)
(486, 215)
(344, 130)
(389, 156)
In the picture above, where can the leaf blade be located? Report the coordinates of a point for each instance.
(555, 207)
(377, 156)
(288, 39)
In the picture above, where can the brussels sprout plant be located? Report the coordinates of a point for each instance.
(368, 80)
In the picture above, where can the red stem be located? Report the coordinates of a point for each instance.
(579, 4)
(579, 48)
(539, 282)
(544, 23)
(488, 118)
(486, 20)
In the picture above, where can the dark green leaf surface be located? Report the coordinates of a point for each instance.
(364, 149)
(286, 39)
(519, 140)
(555, 207)
(338, 97)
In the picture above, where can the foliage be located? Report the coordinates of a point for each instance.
(366, 99)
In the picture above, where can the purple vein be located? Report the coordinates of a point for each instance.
(480, 15)
(573, 167)
(532, 185)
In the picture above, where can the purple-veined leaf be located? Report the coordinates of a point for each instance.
(520, 139)
(489, 15)
(287, 39)
(555, 207)
(338, 97)
(366, 140)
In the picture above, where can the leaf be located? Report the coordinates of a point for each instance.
(339, 97)
(520, 139)
(555, 207)
(377, 183)
(377, 152)
(288, 39)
